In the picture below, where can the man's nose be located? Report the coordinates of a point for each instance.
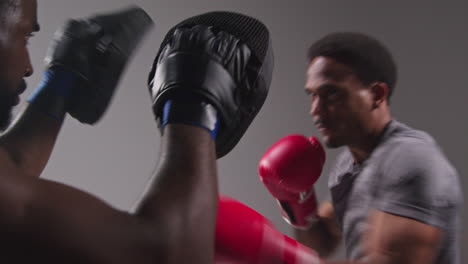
(315, 106)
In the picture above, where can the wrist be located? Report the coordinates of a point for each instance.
(52, 96)
(300, 213)
(190, 112)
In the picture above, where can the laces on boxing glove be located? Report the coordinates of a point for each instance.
(302, 213)
(190, 111)
(52, 95)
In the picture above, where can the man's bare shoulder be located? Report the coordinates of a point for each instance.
(14, 187)
(6, 162)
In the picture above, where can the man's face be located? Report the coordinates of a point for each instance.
(341, 104)
(19, 22)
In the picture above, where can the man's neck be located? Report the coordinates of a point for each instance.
(363, 148)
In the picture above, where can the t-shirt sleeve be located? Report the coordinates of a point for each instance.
(417, 182)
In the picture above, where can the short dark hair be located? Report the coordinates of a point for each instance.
(370, 59)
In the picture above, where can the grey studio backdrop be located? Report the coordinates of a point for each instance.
(114, 159)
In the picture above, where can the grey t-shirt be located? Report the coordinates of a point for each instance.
(406, 175)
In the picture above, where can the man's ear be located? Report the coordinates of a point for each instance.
(380, 93)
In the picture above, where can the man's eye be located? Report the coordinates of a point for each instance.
(310, 93)
(332, 94)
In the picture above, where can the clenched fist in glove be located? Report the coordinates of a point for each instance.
(289, 170)
(245, 236)
(85, 62)
(213, 71)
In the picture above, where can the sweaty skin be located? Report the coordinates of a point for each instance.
(55, 223)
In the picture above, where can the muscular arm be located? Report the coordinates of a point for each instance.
(58, 224)
(416, 200)
(396, 239)
(186, 189)
(30, 139)
(323, 236)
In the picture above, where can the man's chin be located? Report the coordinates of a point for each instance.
(332, 142)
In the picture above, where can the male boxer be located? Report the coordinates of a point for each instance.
(395, 196)
(47, 222)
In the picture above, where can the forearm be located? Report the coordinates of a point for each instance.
(184, 196)
(319, 237)
(30, 139)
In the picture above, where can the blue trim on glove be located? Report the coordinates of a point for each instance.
(193, 113)
(52, 95)
(59, 81)
(165, 113)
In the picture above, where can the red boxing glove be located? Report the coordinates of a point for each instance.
(245, 236)
(289, 170)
